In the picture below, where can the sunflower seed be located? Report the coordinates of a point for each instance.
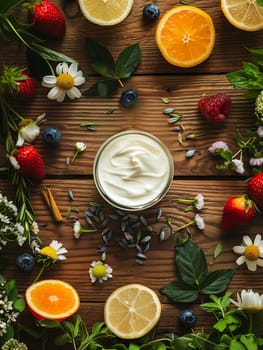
(158, 214)
(140, 262)
(168, 110)
(190, 153)
(70, 195)
(146, 239)
(141, 256)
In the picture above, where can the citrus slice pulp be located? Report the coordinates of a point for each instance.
(185, 36)
(52, 299)
(246, 15)
(105, 12)
(132, 311)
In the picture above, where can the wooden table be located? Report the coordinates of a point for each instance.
(153, 80)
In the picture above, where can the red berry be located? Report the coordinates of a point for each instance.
(215, 108)
(26, 88)
(30, 161)
(238, 211)
(255, 190)
(48, 20)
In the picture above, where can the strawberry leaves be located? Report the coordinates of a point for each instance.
(103, 63)
(194, 276)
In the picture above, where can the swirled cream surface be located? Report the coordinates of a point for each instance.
(133, 169)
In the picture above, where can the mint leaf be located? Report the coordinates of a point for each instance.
(102, 88)
(180, 292)
(217, 281)
(100, 58)
(250, 77)
(191, 263)
(128, 61)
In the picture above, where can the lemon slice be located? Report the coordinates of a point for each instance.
(105, 12)
(243, 14)
(132, 311)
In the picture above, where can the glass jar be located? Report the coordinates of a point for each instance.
(133, 170)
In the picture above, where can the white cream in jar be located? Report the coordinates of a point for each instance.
(133, 170)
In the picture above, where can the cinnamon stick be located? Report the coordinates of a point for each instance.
(52, 205)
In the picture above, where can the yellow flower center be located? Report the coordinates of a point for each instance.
(65, 81)
(252, 252)
(24, 122)
(99, 271)
(49, 251)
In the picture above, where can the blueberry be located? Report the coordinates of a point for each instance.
(151, 12)
(187, 318)
(128, 98)
(52, 135)
(25, 262)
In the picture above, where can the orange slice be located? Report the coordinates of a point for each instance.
(52, 299)
(132, 311)
(243, 14)
(185, 35)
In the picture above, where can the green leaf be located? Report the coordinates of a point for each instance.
(100, 58)
(134, 347)
(8, 5)
(220, 325)
(218, 250)
(191, 263)
(249, 341)
(250, 77)
(236, 345)
(257, 54)
(180, 292)
(62, 339)
(217, 281)
(102, 88)
(128, 61)
(20, 304)
(49, 323)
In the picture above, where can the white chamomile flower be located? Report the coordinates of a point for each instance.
(65, 83)
(78, 229)
(256, 161)
(54, 250)
(99, 271)
(250, 252)
(197, 202)
(198, 221)
(249, 301)
(239, 166)
(217, 146)
(29, 130)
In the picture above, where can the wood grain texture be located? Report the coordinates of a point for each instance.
(153, 79)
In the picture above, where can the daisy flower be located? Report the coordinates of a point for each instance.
(248, 300)
(250, 252)
(68, 77)
(99, 271)
(49, 255)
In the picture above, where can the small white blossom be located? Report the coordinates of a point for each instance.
(79, 148)
(200, 223)
(239, 166)
(256, 161)
(260, 131)
(199, 204)
(65, 83)
(78, 229)
(29, 130)
(218, 145)
(99, 271)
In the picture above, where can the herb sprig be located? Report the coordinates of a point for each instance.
(112, 71)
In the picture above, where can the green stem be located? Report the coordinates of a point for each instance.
(74, 157)
(250, 323)
(183, 200)
(16, 32)
(40, 273)
(185, 225)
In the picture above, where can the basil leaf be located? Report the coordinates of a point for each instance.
(102, 88)
(217, 281)
(191, 263)
(100, 58)
(127, 61)
(180, 292)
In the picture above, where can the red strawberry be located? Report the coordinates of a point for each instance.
(16, 82)
(238, 211)
(215, 108)
(255, 190)
(30, 161)
(48, 20)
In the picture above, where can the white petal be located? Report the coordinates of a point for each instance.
(61, 257)
(260, 262)
(240, 260)
(59, 68)
(20, 140)
(49, 81)
(73, 93)
(79, 81)
(73, 68)
(257, 239)
(62, 251)
(14, 162)
(247, 240)
(64, 67)
(239, 249)
(251, 265)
